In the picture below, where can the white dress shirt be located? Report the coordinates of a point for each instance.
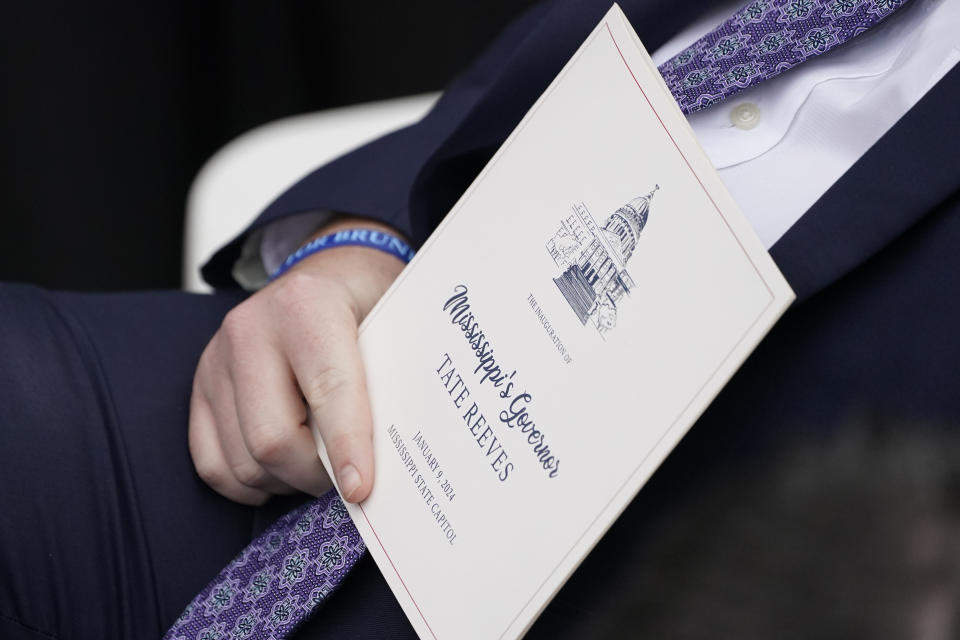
(777, 146)
(800, 131)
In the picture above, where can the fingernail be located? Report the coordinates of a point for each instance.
(349, 481)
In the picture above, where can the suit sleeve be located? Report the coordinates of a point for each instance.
(409, 179)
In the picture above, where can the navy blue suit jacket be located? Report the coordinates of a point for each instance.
(874, 262)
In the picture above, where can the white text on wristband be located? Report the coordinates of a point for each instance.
(380, 240)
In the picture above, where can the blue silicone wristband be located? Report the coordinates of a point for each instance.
(386, 242)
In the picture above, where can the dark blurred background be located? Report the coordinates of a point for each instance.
(108, 111)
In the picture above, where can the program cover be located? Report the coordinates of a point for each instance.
(573, 315)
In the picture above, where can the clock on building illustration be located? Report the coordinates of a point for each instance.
(593, 260)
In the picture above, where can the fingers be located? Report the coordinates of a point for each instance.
(241, 461)
(327, 365)
(208, 458)
(272, 421)
(216, 443)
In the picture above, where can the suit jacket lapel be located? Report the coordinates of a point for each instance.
(905, 175)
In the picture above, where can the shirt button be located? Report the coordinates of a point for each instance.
(745, 115)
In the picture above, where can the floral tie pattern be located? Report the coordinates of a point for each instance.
(763, 39)
(279, 579)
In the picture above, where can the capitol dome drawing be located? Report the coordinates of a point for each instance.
(594, 259)
(626, 223)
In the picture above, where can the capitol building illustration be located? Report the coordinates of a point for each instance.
(593, 259)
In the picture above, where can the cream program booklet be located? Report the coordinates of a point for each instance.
(573, 315)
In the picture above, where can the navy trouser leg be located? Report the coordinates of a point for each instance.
(105, 530)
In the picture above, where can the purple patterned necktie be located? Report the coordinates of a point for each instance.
(763, 39)
(279, 579)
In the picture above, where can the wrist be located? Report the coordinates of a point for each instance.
(345, 233)
(345, 222)
(364, 272)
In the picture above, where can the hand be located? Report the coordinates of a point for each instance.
(289, 348)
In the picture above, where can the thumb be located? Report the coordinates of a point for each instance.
(329, 371)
